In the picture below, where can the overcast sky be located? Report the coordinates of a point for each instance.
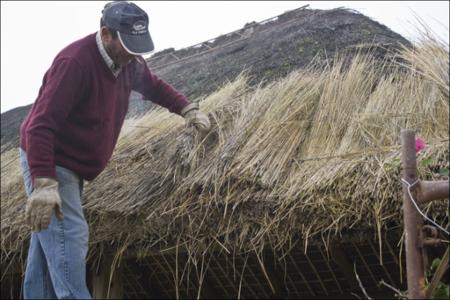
(33, 32)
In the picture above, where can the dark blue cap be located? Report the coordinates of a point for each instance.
(131, 24)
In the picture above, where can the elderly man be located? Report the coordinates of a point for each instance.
(69, 136)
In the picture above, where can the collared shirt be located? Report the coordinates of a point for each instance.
(109, 62)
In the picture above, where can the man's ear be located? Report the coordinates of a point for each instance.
(105, 34)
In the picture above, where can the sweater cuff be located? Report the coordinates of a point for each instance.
(188, 108)
(42, 174)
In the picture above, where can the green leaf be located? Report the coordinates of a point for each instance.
(426, 162)
(443, 172)
(435, 263)
(441, 292)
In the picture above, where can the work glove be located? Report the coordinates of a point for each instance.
(44, 198)
(194, 116)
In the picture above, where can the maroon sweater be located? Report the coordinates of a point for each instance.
(77, 116)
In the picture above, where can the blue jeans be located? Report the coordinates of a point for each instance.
(56, 263)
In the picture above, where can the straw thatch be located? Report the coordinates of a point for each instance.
(310, 156)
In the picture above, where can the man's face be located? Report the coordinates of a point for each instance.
(115, 49)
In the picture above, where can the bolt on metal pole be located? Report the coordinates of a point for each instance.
(412, 220)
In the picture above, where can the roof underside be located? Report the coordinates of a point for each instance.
(318, 273)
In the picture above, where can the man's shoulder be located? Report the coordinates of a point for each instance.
(81, 50)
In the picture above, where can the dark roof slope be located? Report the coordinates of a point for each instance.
(271, 49)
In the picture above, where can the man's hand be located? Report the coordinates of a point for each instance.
(195, 117)
(44, 198)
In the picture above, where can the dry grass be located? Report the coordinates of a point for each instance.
(305, 157)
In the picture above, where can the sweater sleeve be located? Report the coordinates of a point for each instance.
(155, 89)
(62, 87)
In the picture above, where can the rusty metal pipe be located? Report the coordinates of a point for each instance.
(412, 220)
(432, 190)
(431, 242)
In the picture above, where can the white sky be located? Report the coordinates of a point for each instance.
(33, 32)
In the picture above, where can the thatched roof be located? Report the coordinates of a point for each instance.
(269, 49)
(310, 156)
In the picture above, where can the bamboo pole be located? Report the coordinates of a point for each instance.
(421, 192)
(412, 219)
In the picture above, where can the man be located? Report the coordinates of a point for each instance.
(69, 136)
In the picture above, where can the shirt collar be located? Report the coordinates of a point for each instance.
(109, 62)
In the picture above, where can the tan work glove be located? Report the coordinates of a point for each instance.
(195, 117)
(44, 198)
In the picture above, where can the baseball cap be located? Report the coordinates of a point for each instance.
(131, 24)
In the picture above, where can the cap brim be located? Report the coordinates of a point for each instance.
(136, 44)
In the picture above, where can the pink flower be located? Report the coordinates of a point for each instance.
(420, 144)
